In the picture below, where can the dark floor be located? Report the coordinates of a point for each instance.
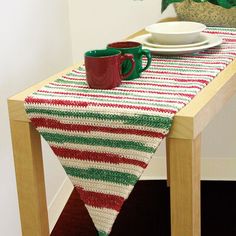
(146, 212)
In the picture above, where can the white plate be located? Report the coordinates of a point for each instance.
(175, 32)
(213, 40)
(202, 39)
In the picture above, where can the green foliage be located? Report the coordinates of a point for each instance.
(222, 3)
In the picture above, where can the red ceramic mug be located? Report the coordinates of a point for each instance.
(103, 68)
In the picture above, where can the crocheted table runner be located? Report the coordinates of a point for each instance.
(104, 139)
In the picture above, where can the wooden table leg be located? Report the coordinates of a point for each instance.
(167, 163)
(184, 160)
(30, 179)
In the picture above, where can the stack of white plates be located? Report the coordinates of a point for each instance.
(176, 38)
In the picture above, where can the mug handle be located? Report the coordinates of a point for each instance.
(146, 53)
(131, 58)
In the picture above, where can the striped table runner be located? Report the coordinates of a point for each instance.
(104, 139)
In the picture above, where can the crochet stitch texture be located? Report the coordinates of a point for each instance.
(104, 139)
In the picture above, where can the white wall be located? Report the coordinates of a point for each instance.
(219, 138)
(34, 43)
(96, 23)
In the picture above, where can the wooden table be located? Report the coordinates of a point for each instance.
(183, 156)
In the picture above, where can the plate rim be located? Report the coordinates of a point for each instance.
(214, 40)
(204, 41)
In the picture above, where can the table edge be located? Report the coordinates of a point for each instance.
(187, 123)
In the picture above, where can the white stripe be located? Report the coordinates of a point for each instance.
(102, 186)
(73, 75)
(155, 88)
(133, 154)
(102, 109)
(171, 97)
(103, 135)
(189, 64)
(158, 81)
(117, 92)
(173, 79)
(145, 88)
(103, 219)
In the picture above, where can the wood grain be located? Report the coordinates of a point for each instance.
(30, 179)
(184, 155)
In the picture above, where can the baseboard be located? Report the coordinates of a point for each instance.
(58, 202)
(211, 169)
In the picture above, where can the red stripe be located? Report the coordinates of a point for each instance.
(100, 200)
(142, 77)
(219, 32)
(55, 101)
(155, 84)
(76, 71)
(173, 73)
(136, 83)
(70, 78)
(193, 62)
(186, 67)
(217, 53)
(80, 72)
(190, 67)
(96, 156)
(86, 104)
(156, 62)
(54, 124)
(205, 57)
(230, 40)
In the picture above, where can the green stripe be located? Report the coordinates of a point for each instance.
(221, 29)
(66, 81)
(134, 86)
(117, 101)
(159, 81)
(202, 71)
(195, 59)
(62, 138)
(76, 74)
(82, 68)
(184, 63)
(173, 91)
(121, 93)
(101, 174)
(174, 83)
(139, 120)
(102, 233)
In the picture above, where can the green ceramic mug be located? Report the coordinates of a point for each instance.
(134, 48)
